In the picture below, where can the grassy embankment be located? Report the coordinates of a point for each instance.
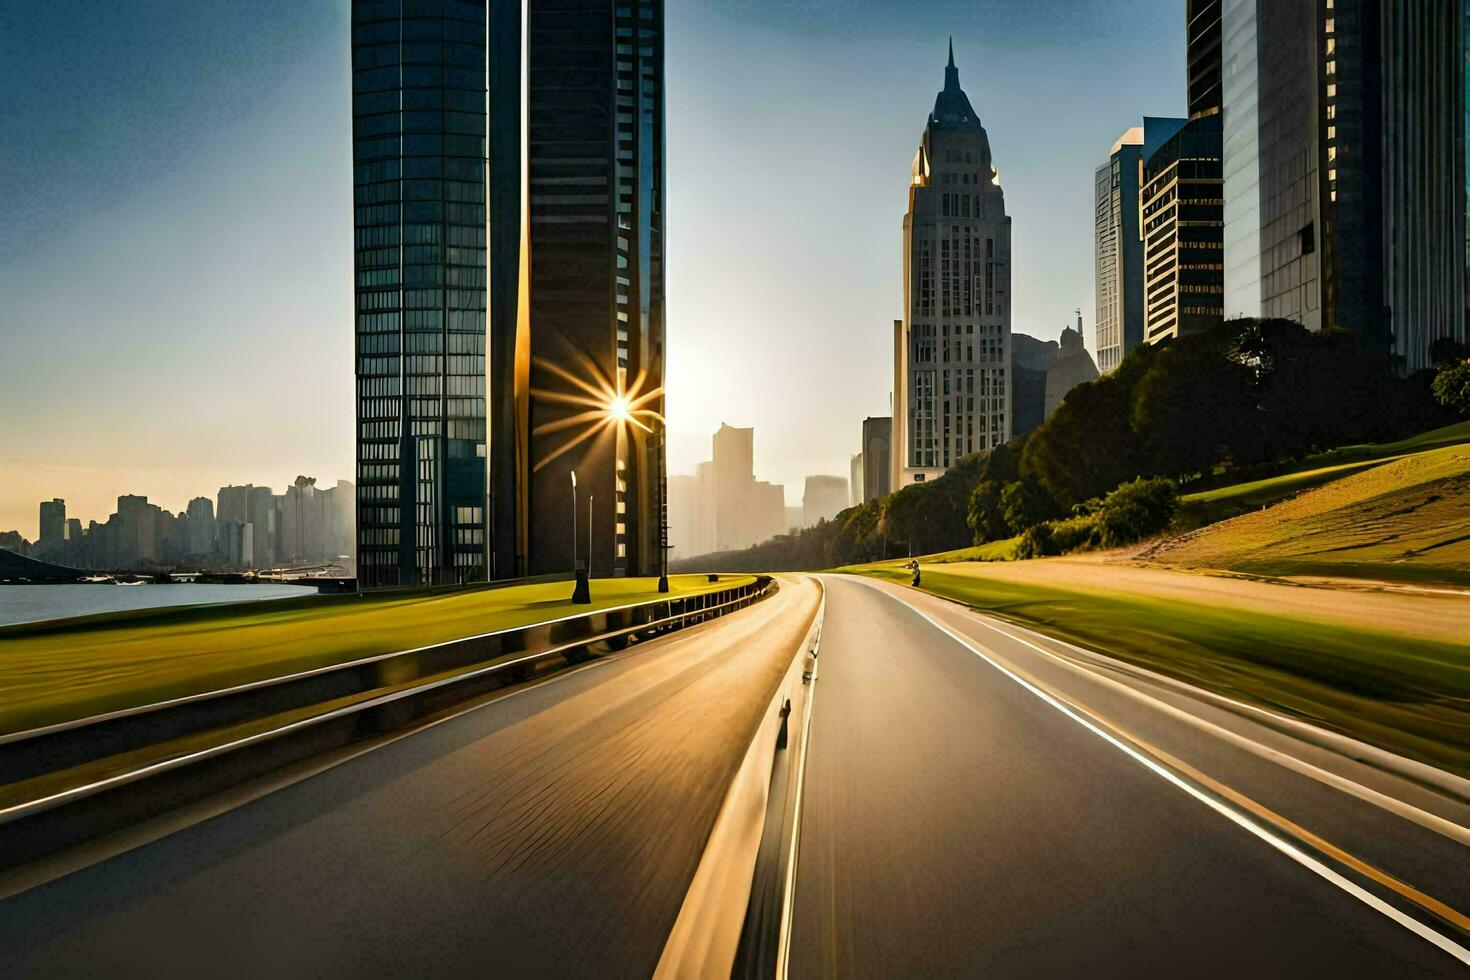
(1409, 695)
(1404, 520)
(1210, 506)
(55, 672)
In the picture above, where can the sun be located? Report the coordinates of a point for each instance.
(618, 409)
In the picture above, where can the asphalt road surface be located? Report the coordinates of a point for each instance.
(956, 823)
(552, 832)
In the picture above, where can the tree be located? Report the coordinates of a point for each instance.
(1452, 388)
(1023, 504)
(985, 517)
(1194, 406)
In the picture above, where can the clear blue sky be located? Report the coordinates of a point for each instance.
(175, 249)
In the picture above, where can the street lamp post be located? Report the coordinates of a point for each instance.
(581, 591)
(663, 512)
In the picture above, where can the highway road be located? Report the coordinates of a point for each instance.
(960, 818)
(553, 831)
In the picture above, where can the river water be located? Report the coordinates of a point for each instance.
(34, 603)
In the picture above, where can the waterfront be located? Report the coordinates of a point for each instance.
(36, 603)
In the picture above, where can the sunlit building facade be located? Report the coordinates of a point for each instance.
(1181, 221)
(953, 396)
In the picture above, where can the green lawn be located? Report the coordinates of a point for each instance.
(1409, 696)
(56, 672)
(1210, 506)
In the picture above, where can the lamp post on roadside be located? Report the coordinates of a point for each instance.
(581, 591)
(663, 511)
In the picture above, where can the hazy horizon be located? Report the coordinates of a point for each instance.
(178, 258)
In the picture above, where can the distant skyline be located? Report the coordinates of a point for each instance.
(176, 255)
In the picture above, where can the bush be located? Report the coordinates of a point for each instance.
(1074, 534)
(1036, 542)
(1452, 388)
(1136, 510)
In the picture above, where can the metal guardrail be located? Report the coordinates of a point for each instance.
(374, 696)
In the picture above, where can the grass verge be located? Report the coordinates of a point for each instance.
(1209, 506)
(1409, 696)
(55, 672)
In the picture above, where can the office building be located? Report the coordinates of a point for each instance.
(53, 524)
(595, 306)
(877, 446)
(824, 498)
(1240, 125)
(767, 511)
(952, 393)
(1182, 223)
(734, 476)
(201, 526)
(684, 517)
(419, 85)
(1344, 165)
(855, 480)
(510, 286)
(1118, 251)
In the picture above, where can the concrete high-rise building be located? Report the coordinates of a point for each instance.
(1119, 251)
(1345, 168)
(767, 511)
(855, 480)
(137, 531)
(877, 446)
(734, 480)
(595, 306)
(53, 524)
(824, 499)
(201, 527)
(419, 86)
(1182, 224)
(952, 393)
(684, 517)
(705, 529)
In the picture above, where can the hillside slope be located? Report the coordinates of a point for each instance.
(1405, 520)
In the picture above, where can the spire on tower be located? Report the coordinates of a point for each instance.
(951, 73)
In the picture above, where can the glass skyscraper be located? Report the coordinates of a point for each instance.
(595, 173)
(509, 187)
(419, 163)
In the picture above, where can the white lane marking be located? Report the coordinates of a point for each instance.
(1430, 821)
(1450, 784)
(1284, 846)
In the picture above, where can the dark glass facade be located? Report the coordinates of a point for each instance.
(595, 158)
(1361, 155)
(419, 164)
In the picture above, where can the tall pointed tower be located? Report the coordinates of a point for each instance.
(953, 392)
